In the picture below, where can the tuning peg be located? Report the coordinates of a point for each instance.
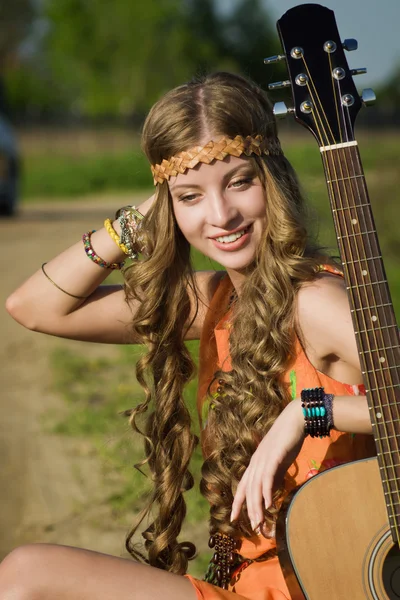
(274, 59)
(350, 44)
(279, 85)
(360, 71)
(368, 97)
(281, 111)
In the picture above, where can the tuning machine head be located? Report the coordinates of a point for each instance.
(360, 71)
(350, 44)
(279, 85)
(281, 111)
(368, 97)
(274, 59)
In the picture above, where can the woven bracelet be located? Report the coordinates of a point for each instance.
(94, 257)
(317, 411)
(108, 226)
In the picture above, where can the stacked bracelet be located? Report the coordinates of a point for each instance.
(317, 411)
(130, 220)
(114, 236)
(94, 257)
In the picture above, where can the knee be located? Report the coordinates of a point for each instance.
(23, 573)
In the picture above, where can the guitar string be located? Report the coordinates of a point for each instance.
(388, 327)
(393, 489)
(328, 168)
(391, 375)
(370, 227)
(314, 100)
(348, 182)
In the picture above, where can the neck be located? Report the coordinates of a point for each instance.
(237, 278)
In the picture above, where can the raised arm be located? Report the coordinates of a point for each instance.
(82, 309)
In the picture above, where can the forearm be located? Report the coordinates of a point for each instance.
(350, 414)
(72, 271)
(68, 282)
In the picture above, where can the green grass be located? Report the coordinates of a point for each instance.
(47, 176)
(96, 392)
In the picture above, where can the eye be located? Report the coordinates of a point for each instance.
(188, 198)
(242, 182)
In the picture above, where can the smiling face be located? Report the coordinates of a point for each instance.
(220, 209)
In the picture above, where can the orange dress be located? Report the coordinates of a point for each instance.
(264, 580)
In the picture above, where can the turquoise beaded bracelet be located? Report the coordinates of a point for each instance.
(93, 256)
(317, 411)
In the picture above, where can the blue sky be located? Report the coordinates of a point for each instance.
(374, 23)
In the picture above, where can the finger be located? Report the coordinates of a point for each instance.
(239, 497)
(254, 499)
(267, 486)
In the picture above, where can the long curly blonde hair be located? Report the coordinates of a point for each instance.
(263, 322)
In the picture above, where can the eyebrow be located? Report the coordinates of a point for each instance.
(247, 168)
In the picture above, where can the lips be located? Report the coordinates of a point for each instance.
(234, 241)
(231, 237)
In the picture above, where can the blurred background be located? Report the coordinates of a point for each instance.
(76, 80)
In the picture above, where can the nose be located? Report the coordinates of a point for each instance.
(221, 211)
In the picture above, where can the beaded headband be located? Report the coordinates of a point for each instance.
(217, 150)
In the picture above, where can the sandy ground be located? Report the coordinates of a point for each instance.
(48, 486)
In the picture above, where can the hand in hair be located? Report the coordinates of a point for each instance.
(269, 463)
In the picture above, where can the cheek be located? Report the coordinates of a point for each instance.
(259, 205)
(187, 220)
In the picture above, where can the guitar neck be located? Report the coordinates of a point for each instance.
(372, 311)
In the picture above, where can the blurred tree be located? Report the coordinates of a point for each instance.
(389, 94)
(250, 36)
(238, 40)
(16, 17)
(119, 59)
(116, 58)
(102, 59)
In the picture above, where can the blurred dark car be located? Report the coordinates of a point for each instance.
(9, 169)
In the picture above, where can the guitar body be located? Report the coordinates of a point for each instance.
(334, 540)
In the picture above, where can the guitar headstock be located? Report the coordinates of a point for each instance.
(326, 100)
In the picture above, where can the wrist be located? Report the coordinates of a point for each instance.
(317, 412)
(296, 411)
(117, 227)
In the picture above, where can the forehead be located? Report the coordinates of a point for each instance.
(216, 171)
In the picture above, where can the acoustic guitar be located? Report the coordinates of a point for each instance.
(338, 534)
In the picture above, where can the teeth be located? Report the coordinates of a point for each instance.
(230, 238)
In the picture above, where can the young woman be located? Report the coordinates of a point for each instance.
(275, 322)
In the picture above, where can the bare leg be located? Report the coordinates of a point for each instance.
(48, 572)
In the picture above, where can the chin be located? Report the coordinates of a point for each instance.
(240, 266)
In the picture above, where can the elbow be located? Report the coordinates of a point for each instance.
(18, 310)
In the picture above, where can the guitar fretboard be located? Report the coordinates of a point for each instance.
(372, 311)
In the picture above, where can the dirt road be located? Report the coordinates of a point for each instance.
(41, 496)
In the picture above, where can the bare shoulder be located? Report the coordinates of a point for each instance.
(320, 295)
(206, 284)
(324, 319)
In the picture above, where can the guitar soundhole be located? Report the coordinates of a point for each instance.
(391, 573)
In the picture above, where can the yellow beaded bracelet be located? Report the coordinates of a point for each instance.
(114, 235)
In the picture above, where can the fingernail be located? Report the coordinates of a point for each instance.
(253, 525)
